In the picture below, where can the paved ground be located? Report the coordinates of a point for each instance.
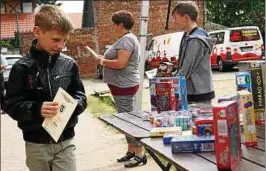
(98, 145)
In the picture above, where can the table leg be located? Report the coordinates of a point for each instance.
(157, 160)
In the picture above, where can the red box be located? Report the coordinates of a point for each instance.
(227, 135)
(165, 96)
(203, 121)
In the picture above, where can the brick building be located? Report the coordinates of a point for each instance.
(100, 35)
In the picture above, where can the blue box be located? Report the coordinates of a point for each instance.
(168, 137)
(243, 81)
(192, 144)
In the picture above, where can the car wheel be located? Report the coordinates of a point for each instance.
(99, 72)
(221, 65)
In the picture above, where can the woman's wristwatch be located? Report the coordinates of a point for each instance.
(101, 61)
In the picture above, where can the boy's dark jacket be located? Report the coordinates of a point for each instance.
(30, 85)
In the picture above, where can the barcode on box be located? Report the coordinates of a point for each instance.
(222, 127)
(207, 147)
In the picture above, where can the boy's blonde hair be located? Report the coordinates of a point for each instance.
(51, 17)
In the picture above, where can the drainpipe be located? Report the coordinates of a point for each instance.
(142, 39)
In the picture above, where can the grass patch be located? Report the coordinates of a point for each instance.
(98, 107)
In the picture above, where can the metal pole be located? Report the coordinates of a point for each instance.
(168, 13)
(142, 39)
(17, 24)
(265, 82)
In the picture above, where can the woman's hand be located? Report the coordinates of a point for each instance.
(94, 55)
(98, 58)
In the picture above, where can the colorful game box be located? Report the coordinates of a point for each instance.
(227, 98)
(258, 89)
(227, 135)
(182, 121)
(192, 144)
(248, 114)
(168, 137)
(179, 90)
(159, 132)
(165, 96)
(243, 81)
(204, 126)
(165, 69)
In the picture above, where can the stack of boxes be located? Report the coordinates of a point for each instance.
(227, 135)
(168, 93)
(252, 80)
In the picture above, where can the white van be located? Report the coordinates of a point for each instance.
(163, 48)
(236, 44)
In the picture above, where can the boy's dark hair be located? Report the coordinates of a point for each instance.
(189, 8)
(124, 17)
(51, 17)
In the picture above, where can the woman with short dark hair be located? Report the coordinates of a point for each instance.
(120, 72)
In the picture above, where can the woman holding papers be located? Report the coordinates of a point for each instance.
(120, 63)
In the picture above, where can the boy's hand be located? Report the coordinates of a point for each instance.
(49, 109)
(3, 66)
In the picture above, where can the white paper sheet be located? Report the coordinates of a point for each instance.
(55, 125)
(91, 51)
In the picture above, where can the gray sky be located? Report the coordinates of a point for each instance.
(72, 6)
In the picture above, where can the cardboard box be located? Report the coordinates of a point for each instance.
(168, 137)
(182, 121)
(165, 96)
(179, 90)
(243, 81)
(248, 114)
(259, 118)
(227, 98)
(227, 135)
(204, 126)
(258, 89)
(160, 131)
(165, 69)
(192, 144)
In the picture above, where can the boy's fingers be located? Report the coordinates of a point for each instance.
(50, 103)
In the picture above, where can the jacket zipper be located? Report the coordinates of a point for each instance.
(48, 74)
(59, 76)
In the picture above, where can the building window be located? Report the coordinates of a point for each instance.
(3, 8)
(27, 7)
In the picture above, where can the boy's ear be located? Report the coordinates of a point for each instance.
(187, 17)
(36, 31)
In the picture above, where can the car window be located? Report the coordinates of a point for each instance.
(244, 35)
(12, 61)
(151, 45)
(219, 37)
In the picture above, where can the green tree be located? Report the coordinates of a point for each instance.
(232, 13)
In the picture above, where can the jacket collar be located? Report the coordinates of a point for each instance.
(42, 56)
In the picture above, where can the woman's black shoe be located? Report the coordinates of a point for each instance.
(136, 161)
(127, 157)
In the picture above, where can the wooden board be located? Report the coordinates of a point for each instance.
(244, 164)
(125, 127)
(184, 161)
(135, 120)
(253, 155)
